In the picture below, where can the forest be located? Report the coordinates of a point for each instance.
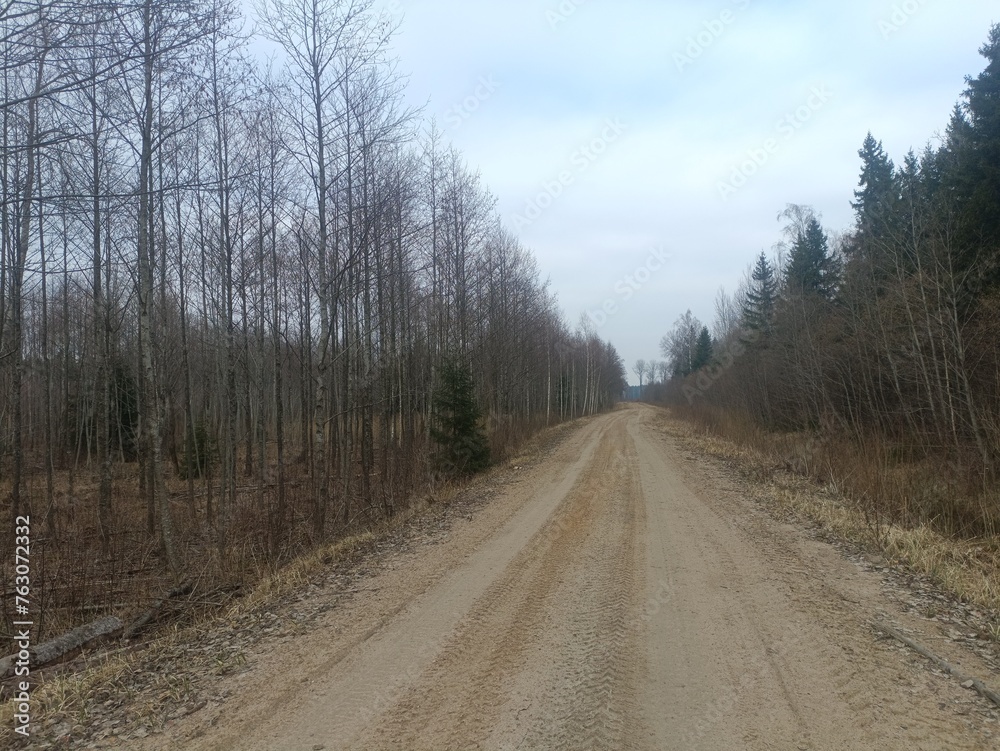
(871, 359)
(248, 304)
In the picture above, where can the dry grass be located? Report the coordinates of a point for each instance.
(71, 694)
(129, 676)
(856, 494)
(297, 574)
(74, 580)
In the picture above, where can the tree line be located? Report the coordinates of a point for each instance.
(885, 336)
(231, 291)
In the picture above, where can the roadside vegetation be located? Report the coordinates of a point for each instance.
(121, 691)
(870, 361)
(248, 307)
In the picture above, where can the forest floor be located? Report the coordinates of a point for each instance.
(617, 589)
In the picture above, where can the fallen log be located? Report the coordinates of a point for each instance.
(981, 688)
(150, 615)
(64, 646)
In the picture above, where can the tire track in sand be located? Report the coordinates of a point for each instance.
(548, 646)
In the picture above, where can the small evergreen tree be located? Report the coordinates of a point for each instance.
(703, 350)
(125, 413)
(197, 452)
(462, 445)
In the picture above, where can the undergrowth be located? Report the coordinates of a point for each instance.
(913, 511)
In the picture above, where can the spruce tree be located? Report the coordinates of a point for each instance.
(811, 267)
(876, 196)
(758, 308)
(703, 350)
(462, 445)
(198, 452)
(981, 165)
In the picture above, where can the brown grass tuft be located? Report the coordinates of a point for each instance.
(861, 493)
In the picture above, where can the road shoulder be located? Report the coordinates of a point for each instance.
(846, 589)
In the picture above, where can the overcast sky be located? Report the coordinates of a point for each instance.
(610, 130)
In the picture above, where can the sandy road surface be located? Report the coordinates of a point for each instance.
(617, 595)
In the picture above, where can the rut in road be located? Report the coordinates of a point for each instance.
(554, 641)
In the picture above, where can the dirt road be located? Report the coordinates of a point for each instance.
(616, 595)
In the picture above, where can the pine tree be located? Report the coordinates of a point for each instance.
(875, 199)
(811, 267)
(703, 350)
(981, 144)
(944, 174)
(462, 445)
(912, 182)
(758, 308)
(198, 452)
